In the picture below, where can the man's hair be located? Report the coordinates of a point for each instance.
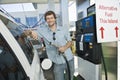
(49, 13)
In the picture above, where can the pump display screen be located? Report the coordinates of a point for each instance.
(88, 22)
(88, 37)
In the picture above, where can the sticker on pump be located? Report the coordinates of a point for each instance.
(81, 46)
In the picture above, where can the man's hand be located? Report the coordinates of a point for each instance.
(27, 32)
(34, 35)
(62, 49)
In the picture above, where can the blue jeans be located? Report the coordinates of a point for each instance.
(60, 68)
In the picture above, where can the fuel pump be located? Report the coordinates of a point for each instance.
(86, 41)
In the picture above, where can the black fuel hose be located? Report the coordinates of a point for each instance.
(67, 63)
(104, 65)
(68, 67)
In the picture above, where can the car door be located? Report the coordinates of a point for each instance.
(17, 62)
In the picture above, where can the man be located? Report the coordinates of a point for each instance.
(52, 33)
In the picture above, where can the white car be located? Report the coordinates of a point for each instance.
(17, 61)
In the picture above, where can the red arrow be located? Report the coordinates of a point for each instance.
(102, 34)
(116, 29)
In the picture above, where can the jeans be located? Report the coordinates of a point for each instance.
(59, 70)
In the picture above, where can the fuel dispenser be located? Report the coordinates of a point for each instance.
(86, 41)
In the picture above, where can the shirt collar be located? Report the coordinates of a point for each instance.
(57, 29)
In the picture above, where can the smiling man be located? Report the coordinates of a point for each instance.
(60, 36)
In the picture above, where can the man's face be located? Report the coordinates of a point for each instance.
(50, 19)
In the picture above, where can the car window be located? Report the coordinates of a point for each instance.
(23, 41)
(10, 67)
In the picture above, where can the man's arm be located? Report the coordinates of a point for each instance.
(62, 49)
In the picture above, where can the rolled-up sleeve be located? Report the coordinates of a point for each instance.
(67, 35)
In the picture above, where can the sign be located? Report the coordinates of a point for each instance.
(107, 20)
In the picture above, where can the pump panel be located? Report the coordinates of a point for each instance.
(86, 41)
